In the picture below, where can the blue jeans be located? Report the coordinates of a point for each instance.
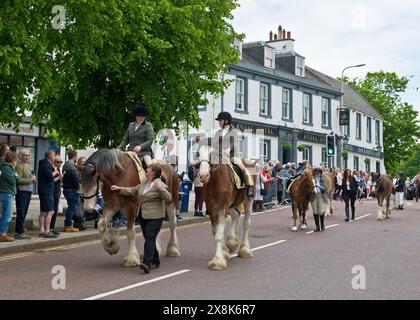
(73, 199)
(23, 198)
(6, 203)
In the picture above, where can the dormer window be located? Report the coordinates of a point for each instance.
(269, 58)
(300, 66)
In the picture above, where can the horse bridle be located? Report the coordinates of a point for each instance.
(96, 194)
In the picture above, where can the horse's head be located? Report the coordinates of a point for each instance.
(204, 158)
(309, 180)
(90, 186)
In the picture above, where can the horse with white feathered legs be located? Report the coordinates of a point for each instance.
(105, 168)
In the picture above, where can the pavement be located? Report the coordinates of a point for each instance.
(39, 243)
(364, 259)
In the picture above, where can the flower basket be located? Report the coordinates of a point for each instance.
(287, 146)
(301, 147)
(345, 154)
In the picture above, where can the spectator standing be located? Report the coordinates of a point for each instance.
(46, 194)
(58, 178)
(4, 148)
(71, 187)
(25, 189)
(8, 182)
(80, 163)
(266, 183)
(277, 174)
(198, 188)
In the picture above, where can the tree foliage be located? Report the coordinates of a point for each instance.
(401, 125)
(411, 166)
(112, 55)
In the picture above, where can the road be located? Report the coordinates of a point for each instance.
(285, 265)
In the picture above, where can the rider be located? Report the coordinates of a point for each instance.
(139, 136)
(225, 141)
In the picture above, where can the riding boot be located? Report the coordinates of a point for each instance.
(347, 214)
(352, 213)
(321, 217)
(316, 218)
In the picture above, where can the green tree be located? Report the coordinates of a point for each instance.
(114, 54)
(411, 167)
(401, 130)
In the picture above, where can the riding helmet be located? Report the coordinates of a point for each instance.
(224, 116)
(140, 111)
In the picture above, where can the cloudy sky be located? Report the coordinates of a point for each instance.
(332, 34)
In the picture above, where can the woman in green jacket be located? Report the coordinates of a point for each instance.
(8, 181)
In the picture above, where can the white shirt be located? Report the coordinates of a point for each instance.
(148, 186)
(137, 126)
(224, 131)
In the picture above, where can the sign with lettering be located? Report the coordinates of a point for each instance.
(309, 137)
(364, 151)
(268, 131)
(344, 117)
(24, 130)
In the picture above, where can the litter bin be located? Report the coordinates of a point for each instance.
(186, 187)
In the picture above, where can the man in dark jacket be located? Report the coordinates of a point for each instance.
(71, 186)
(46, 194)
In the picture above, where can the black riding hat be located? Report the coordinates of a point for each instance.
(140, 111)
(224, 116)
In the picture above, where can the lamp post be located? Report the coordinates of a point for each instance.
(345, 139)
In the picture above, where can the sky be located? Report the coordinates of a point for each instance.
(383, 34)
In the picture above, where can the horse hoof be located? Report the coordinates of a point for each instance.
(245, 252)
(217, 264)
(232, 245)
(294, 229)
(303, 227)
(172, 252)
(112, 250)
(131, 260)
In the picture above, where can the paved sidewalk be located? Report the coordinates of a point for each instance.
(90, 234)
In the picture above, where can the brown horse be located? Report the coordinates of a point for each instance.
(300, 191)
(113, 167)
(383, 189)
(330, 189)
(222, 198)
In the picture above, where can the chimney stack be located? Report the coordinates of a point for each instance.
(275, 37)
(283, 36)
(279, 32)
(270, 36)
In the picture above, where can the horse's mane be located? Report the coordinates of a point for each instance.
(103, 162)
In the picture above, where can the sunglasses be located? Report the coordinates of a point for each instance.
(58, 161)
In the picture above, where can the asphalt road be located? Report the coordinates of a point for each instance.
(285, 265)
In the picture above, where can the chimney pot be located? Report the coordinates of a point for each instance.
(280, 28)
(289, 35)
(270, 36)
(284, 34)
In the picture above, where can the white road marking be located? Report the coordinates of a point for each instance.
(261, 247)
(366, 215)
(16, 256)
(332, 226)
(106, 294)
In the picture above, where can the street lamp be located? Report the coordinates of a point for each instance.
(342, 81)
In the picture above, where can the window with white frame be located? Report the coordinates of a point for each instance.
(306, 108)
(369, 129)
(242, 147)
(358, 126)
(325, 109)
(367, 163)
(377, 132)
(265, 150)
(286, 104)
(240, 94)
(307, 154)
(300, 66)
(356, 163)
(264, 99)
(269, 57)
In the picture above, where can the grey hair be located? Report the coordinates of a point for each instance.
(23, 152)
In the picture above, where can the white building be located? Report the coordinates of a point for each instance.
(281, 104)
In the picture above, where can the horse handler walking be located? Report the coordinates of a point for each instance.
(153, 194)
(319, 199)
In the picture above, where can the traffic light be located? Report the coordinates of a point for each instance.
(331, 145)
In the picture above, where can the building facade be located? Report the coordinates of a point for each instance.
(286, 110)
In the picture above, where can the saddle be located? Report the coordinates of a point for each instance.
(235, 174)
(139, 165)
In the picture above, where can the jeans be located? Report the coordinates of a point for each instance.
(150, 229)
(73, 199)
(23, 198)
(6, 203)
